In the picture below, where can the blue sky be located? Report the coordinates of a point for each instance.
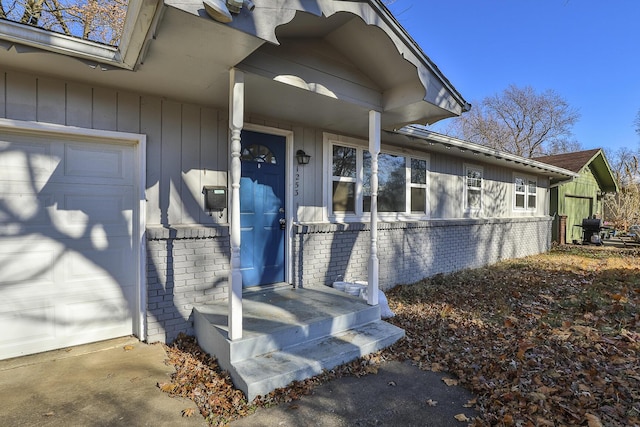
(585, 50)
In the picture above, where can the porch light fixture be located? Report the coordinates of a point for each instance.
(302, 157)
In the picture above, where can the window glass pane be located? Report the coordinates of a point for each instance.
(418, 171)
(344, 196)
(520, 201)
(418, 200)
(532, 187)
(531, 202)
(473, 199)
(344, 161)
(392, 180)
(520, 186)
(258, 153)
(474, 178)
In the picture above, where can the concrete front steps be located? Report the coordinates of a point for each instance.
(291, 334)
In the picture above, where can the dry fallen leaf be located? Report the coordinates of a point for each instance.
(471, 403)
(392, 383)
(461, 417)
(539, 338)
(593, 421)
(188, 412)
(128, 347)
(507, 420)
(49, 414)
(431, 402)
(167, 387)
(450, 381)
(436, 367)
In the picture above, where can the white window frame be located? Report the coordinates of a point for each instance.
(411, 185)
(528, 179)
(476, 168)
(359, 214)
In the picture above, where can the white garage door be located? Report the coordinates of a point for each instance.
(68, 262)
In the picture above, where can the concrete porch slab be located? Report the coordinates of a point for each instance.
(291, 334)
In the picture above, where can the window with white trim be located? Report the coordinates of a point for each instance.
(473, 188)
(525, 193)
(402, 182)
(344, 179)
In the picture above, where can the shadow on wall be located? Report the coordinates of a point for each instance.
(66, 252)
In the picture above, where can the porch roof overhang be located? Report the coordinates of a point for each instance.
(141, 15)
(419, 137)
(357, 59)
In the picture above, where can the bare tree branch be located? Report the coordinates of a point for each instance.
(96, 20)
(520, 121)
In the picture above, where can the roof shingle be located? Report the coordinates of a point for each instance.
(571, 161)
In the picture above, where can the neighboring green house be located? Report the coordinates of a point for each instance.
(580, 197)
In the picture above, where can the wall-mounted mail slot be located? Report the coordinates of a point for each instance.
(215, 198)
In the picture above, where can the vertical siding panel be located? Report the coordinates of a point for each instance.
(209, 161)
(223, 158)
(318, 201)
(21, 93)
(310, 190)
(3, 95)
(104, 108)
(310, 182)
(51, 101)
(128, 116)
(190, 188)
(79, 100)
(298, 180)
(209, 150)
(151, 125)
(171, 176)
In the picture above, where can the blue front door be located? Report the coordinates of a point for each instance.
(262, 198)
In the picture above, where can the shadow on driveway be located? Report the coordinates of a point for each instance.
(111, 383)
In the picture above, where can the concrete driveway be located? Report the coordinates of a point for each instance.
(112, 383)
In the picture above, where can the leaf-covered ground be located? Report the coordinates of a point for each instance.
(547, 340)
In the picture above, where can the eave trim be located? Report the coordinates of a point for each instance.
(508, 158)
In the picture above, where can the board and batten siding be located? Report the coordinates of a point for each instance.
(186, 144)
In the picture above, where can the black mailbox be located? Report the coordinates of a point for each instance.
(215, 198)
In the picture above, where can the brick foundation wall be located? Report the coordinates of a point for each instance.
(185, 266)
(410, 251)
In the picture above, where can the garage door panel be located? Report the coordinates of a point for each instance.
(27, 262)
(16, 209)
(30, 325)
(95, 163)
(100, 315)
(22, 160)
(96, 160)
(83, 207)
(68, 262)
(27, 267)
(84, 259)
(68, 210)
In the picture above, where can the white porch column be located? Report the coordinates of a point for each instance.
(236, 120)
(374, 149)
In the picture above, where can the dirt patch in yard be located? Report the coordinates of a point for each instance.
(549, 340)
